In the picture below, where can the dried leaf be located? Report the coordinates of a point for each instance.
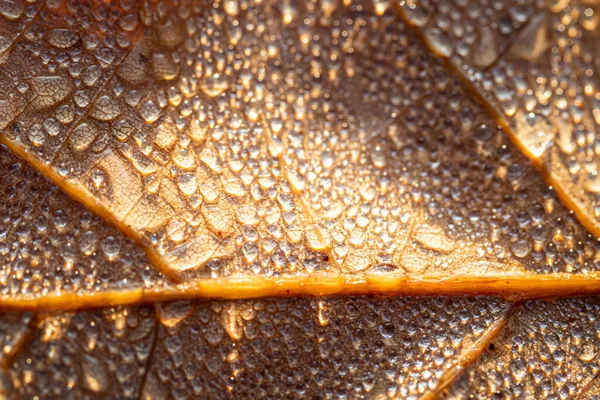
(257, 158)
(278, 149)
(536, 64)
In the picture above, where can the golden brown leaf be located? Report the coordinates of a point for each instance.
(315, 348)
(94, 354)
(547, 350)
(266, 140)
(536, 64)
(269, 149)
(51, 244)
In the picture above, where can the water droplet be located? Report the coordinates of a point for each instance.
(12, 9)
(433, 237)
(36, 135)
(214, 85)
(111, 246)
(150, 111)
(63, 38)
(439, 42)
(521, 248)
(83, 136)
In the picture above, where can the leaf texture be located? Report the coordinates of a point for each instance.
(536, 64)
(260, 149)
(547, 350)
(248, 153)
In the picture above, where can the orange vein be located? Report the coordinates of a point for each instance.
(510, 286)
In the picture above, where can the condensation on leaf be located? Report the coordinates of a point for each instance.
(241, 139)
(51, 245)
(307, 348)
(536, 64)
(547, 350)
(91, 354)
(279, 140)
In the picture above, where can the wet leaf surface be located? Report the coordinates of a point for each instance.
(546, 350)
(287, 145)
(14, 332)
(51, 244)
(316, 348)
(257, 157)
(92, 354)
(536, 64)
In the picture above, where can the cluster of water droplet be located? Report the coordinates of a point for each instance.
(298, 348)
(98, 354)
(548, 350)
(268, 139)
(536, 64)
(50, 243)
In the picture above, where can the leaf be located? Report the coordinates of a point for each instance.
(547, 350)
(537, 70)
(259, 150)
(14, 332)
(257, 159)
(299, 348)
(52, 245)
(94, 354)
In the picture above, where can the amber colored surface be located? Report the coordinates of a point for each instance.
(56, 255)
(536, 65)
(546, 350)
(216, 173)
(276, 162)
(316, 348)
